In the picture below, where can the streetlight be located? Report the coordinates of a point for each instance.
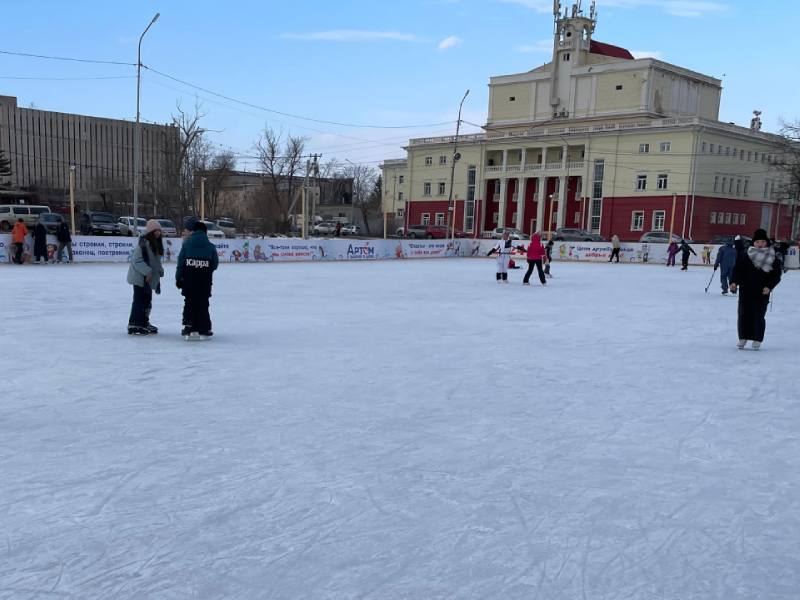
(451, 215)
(136, 134)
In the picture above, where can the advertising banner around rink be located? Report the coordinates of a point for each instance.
(119, 249)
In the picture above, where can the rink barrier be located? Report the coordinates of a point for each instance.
(119, 249)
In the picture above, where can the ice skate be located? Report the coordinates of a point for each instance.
(724, 292)
(151, 328)
(136, 330)
(741, 344)
(206, 335)
(525, 283)
(756, 345)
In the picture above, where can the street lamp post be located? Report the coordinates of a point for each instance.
(136, 135)
(672, 219)
(451, 215)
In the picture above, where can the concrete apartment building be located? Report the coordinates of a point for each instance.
(42, 145)
(598, 140)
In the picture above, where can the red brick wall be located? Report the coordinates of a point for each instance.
(618, 215)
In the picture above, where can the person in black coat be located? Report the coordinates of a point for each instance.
(686, 249)
(783, 249)
(40, 241)
(64, 240)
(757, 272)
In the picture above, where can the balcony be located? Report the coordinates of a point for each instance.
(496, 197)
(550, 168)
(515, 197)
(513, 168)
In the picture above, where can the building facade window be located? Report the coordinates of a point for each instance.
(716, 183)
(712, 148)
(577, 219)
(666, 146)
(513, 217)
(641, 182)
(738, 186)
(727, 150)
(637, 220)
(727, 218)
(495, 217)
(730, 187)
(742, 219)
(597, 196)
(566, 57)
(440, 218)
(659, 218)
(749, 155)
(734, 153)
(735, 218)
(400, 196)
(644, 148)
(662, 181)
(469, 208)
(746, 185)
(713, 218)
(441, 188)
(703, 147)
(719, 150)
(426, 218)
(426, 188)
(724, 185)
(428, 161)
(442, 160)
(401, 179)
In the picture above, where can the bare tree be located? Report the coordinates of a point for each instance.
(364, 178)
(280, 158)
(220, 167)
(787, 166)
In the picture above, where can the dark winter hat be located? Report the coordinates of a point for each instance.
(200, 226)
(760, 234)
(188, 224)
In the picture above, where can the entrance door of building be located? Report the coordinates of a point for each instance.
(532, 230)
(766, 217)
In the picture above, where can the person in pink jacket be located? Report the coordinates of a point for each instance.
(536, 255)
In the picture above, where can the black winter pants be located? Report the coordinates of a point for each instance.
(614, 252)
(18, 256)
(195, 314)
(685, 261)
(538, 265)
(140, 310)
(752, 317)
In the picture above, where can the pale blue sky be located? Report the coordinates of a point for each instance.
(370, 63)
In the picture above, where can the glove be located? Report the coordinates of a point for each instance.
(158, 288)
(179, 284)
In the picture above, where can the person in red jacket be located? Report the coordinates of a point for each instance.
(536, 255)
(20, 231)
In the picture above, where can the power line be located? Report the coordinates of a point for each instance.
(277, 112)
(68, 78)
(83, 60)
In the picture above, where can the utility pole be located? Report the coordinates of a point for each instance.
(137, 134)
(672, 220)
(202, 198)
(72, 197)
(451, 215)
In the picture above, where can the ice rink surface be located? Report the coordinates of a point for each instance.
(398, 430)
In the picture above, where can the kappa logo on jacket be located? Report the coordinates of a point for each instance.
(194, 262)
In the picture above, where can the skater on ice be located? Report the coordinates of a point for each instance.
(726, 260)
(39, 241)
(686, 249)
(615, 247)
(64, 241)
(504, 248)
(144, 274)
(549, 251)
(20, 231)
(194, 276)
(757, 272)
(536, 255)
(672, 251)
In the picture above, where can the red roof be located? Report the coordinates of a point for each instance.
(609, 50)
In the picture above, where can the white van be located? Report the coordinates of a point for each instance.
(11, 213)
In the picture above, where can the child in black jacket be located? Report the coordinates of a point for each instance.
(686, 249)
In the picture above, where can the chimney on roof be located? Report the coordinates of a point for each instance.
(9, 101)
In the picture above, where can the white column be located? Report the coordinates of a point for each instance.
(521, 204)
(505, 159)
(542, 184)
(565, 156)
(524, 158)
(544, 157)
(501, 218)
(562, 202)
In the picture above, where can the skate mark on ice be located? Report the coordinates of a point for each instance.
(683, 439)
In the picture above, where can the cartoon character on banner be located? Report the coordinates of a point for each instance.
(476, 247)
(573, 256)
(645, 252)
(4, 256)
(51, 251)
(259, 256)
(706, 254)
(398, 252)
(235, 256)
(562, 251)
(247, 251)
(168, 251)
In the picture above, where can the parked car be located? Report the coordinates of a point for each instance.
(98, 223)
(567, 234)
(513, 234)
(401, 232)
(51, 221)
(213, 230)
(168, 228)
(11, 213)
(228, 227)
(324, 228)
(417, 231)
(442, 232)
(719, 240)
(662, 237)
(126, 226)
(350, 229)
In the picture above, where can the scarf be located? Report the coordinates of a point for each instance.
(762, 258)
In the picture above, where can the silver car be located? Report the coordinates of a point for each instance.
(662, 237)
(228, 227)
(213, 230)
(126, 226)
(350, 229)
(324, 228)
(168, 228)
(569, 234)
(513, 234)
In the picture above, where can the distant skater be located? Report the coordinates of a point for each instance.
(686, 249)
(615, 248)
(548, 249)
(536, 256)
(672, 251)
(726, 261)
(503, 248)
(757, 272)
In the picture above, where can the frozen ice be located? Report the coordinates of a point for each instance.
(396, 430)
